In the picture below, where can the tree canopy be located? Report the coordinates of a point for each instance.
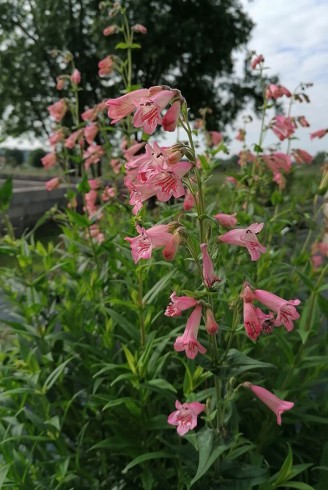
(190, 45)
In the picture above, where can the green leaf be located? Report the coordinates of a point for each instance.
(160, 384)
(6, 191)
(146, 457)
(3, 474)
(84, 185)
(158, 287)
(239, 362)
(204, 162)
(284, 471)
(127, 46)
(298, 484)
(130, 359)
(78, 219)
(52, 378)
(127, 326)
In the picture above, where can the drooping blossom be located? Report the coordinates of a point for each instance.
(252, 323)
(246, 237)
(209, 277)
(188, 341)
(178, 304)
(275, 404)
(90, 132)
(185, 417)
(189, 201)
(226, 220)
(155, 237)
(109, 30)
(318, 134)
(210, 323)
(215, 137)
(139, 28)
(283, 127)
(58, 110)
(92, 155)
(285, 310)
(56, 137)
(132, 150)
(76, 77)
(92, 113)
(52, 184)
(278, 161)
(124, 105)
(49, 160)
(71, 141)
(105, 66)
(172, 246)
(275, 91)
(148, 113)
(257, 60)
(241, 135)
(302, 156)
(171, 118)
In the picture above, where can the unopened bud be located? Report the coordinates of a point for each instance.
(211, 325)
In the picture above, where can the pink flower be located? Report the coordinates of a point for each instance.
(178, 304)
(76, 77)
(130, 152)
(246, 237)
(172, 246)
(155, 237)
(252, 323)
(148, 113)
(56, 137)
(96, 233)
(60, 83)
(92, 155)
(275, 404)
(94, 184)
(58, 110)
(188, 341)
(211, 325)
(92, 113)
(90, 132)
(279, 179)
(209, 278)
(124, 105)
(185, 417)
(318, 134)
(275, 91)
(257, 60)
(52, 184)
(302, 156)
(116, 165)
(226, 220)
(245, 157)
(286, 311)
(90, 202)
(49, 160)
(241, 135)
(171, 118)
(216, 137)
(70, 142)
(139, 28)
(303, 122)
(278, 161)
(189, 201)
(317, 261)
(231, 180)
(283, 127)
(109, 193)
(105, 66)
(109, 30)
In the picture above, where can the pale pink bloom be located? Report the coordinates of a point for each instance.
(257, 60)
(109, 30)
(105, 66)
(178, 304)
(56, 137)
(173, 155)
(52, 184)
(241, 135)
(130, 152)
(148, 113)
(302, 156)
(71, 141)
(171, 118)
(283, 127)
(108, 193)
(155, 237)
(172, 246)
(124, 105)
(285, 310)
(58, 110)
(139, 28)
(303, 122)
(189, 201)
(90, 132)
(246, 237)
(96, 233)
(92, 155)
(245, 157)
(318, 134)
(49, 160)
(226, 220)
(210, 323)
(209, 278)
(168, 182)
(92, 113)
(76, 77)
(275, 404)
(231, 180)
(216, 137)
(275, 91)
(94, 184)
(278, 161)
(252, 323)
(116, 165)
(323, 248)
(185, 417)
(188, 341)
(90, 202)
(279, 179)
(60, 83)
(317, 261)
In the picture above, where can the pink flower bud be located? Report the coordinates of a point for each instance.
(139, 28)
(105, 66)
(109, 30)
(49, 160)
(256, 61)
(76, 77)
(171, 118)
(171, 248)
(226, 220)
(52, 184)
(211, 324)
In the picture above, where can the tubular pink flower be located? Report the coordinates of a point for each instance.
(56, 137)
(209, 278)
(275, 91)
(185, 417)
(178, 304)
(90, 132)
(109, 30)
(275, 404)
(210, 323)
(189, 201)
(71, 141)
(278, 161)
(252, 323)
(318, 134)
(247, 293)
(52, 184)
(280, 180)
(188, 341)
(172, 246)
(226, 220)
(94, 184)
(49, 160)
(216, 137)
(92, 113)
(257, 60)
(168, 182)
(130, 152)
(246, 237)
(105, 66)
(155, 237)
(124, 105)
(286, 311)
(283, 127)
(171, 118)
(58, 110)
(139, 28)
(148, 113)
(302, 156)
(76, 77)
(92, 155)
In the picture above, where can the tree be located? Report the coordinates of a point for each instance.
(190, 45)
